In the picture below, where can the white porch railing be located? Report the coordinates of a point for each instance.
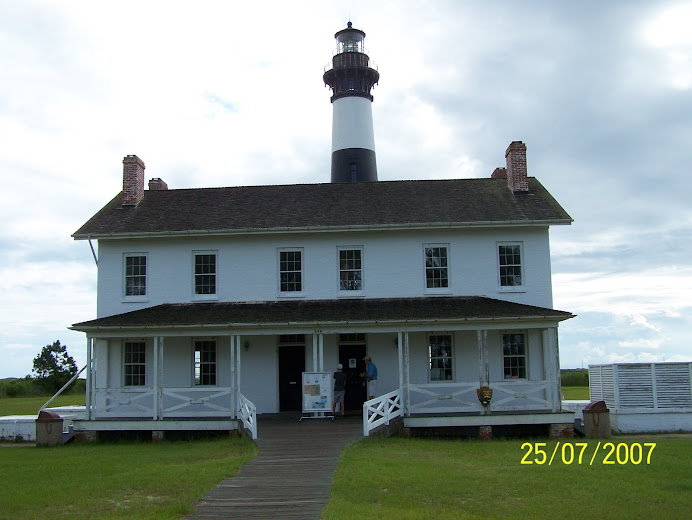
(247, 412)
(443, 398)
(175, 402)
(462, 398)
(382, 409)
(196, 402)
(520, 395)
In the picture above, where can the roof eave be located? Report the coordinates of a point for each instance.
(231, 325)
(326, 229)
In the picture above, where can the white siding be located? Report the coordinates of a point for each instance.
(393, 266)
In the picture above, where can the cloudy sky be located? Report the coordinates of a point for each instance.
(231, 93)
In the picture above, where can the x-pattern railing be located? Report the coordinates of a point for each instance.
(381, 410)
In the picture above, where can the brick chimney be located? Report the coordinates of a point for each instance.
(133, 180)
(516, 167)
(157, 184)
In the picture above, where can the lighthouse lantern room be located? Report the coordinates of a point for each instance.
(351, 77)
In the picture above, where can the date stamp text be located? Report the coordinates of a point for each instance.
(579, 453)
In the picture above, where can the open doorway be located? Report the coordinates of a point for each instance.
(352, 350)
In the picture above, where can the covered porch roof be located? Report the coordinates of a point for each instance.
(296, 314)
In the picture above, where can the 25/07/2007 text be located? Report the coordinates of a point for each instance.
(573, 453)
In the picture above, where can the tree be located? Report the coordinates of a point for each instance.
(54, 367)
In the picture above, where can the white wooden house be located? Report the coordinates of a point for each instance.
(212, 302)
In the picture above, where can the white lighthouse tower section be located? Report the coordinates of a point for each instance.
(352, 124)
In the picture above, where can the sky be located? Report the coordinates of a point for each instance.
(230, 93)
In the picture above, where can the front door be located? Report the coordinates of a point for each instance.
(291, 368)
(351, 357)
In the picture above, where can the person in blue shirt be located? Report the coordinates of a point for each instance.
(370, 376)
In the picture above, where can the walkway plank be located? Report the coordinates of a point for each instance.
(291, 476)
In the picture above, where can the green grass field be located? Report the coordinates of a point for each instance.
(578, 393)
(375, 479)
(432, 479)
(31, 405)
(155, 480)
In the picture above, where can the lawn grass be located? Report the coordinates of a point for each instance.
(577, 393)
(433, 479)
(31, 405)
(153, 480)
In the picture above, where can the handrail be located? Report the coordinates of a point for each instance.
(63, 388)
(382, 409)
(247, 412)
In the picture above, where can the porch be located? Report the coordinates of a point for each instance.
(150, 367)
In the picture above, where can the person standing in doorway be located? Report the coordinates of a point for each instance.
(370, 376)
(339, 388)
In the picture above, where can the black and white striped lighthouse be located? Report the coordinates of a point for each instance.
(351, 78)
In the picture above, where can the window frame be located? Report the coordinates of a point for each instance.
(291, 294)
(521, 287)
(447, 267)
(349, 292)
(524, 356)
(203, 296)
(135, 297)
(450, 357)
(128, 364)
(197, 365)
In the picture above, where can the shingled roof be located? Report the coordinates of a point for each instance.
(316, 312)
(364, 205)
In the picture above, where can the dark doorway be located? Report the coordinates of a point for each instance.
(351, 357)
(291, 368)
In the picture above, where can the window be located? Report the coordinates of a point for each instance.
(290, 271)
(205, 274)
(514, 354)
(510, 265)
(441, 357)
(354, 171)
(436, 267)
(205, 362)
(350, 269)
(135, 363)
(135, 275)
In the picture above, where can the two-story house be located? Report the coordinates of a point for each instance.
(213, 302)
(203, 292)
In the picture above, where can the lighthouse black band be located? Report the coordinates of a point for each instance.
(354, 165)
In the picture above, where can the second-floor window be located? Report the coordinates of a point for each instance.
(205, 273)
(135, 275)
(290, 271)
(509, 257)
(350, 269)
(436, 267)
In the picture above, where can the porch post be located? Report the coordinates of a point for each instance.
(483, 368)
(238, 351)
(314, 351)
(89, 379)
(408, 375)
(231, 346)
(156, 379)
(552, 366)
(321, 354)
(400, 349)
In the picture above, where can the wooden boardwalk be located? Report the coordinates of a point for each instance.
(291, 476)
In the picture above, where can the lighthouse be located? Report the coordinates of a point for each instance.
(351, 77)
